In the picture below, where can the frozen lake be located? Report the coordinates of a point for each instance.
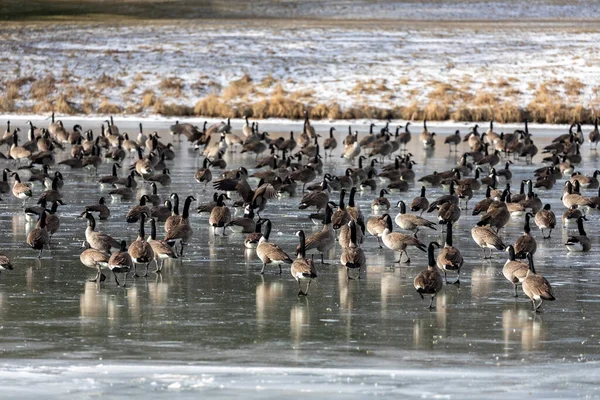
(212, 325)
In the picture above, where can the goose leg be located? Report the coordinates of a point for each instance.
(323, 261)
(116, 280)
(146, 274)
(300, 292)
(445, 279)
(516, 294)
(457, 282)
(379, 242)
(125, 281)
(310, 281)
(431, 306)
(40, 255)
(279, 269)
(98, 273)
(135, 275)
(262, 270)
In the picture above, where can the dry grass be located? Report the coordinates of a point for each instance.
(148, 98)
(108, 82)
(63, 106)
(213, 106)
(573, 87)
(107, 107)
(239, 89)
(43, 88)
(12, 92)
(171, 86)
(7, 104)
(268, 81)
(485, 99)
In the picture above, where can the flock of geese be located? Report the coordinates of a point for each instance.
(296, 166)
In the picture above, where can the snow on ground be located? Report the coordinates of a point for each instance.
(348, 64)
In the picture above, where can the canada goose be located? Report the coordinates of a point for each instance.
(38, 237)
(398, 241)
(545, 219)
(450, 258)
(353, 257)
(570, 216)
(420, 203)
(411, 222)
(464, 193)
(96, 259)
(330, 143)
(472, 182)
(483, 205)
(369, 184)
(220, 216)
(398, 186)
(17, 152)
(108, 180)
(570, 198)
(489, 160)
(514, 271)
(453, 140)
(161, 212)
(317, 199)
(485, 237)
(120, 262)
(21, 190)
(497, 214)
(381, 203)
(404, 137)
(175, 218)
(517, 198)
(246, 129)
(5, 264)
(97, 240)
(136, 212)
(585, 181)
(526, 243)
(251, 240)
(536, 287)
(323, 240)
(429, 281)
(93, 161)
(140, 250)
(270, 253)
(257, 147)
(528, 151)
(142, 166)
(245, 224)
(52, 220)
(432, 180)
(448, 198)
(123, 182)
(182, 232)
(4, 185)
(154, 198)
(33, 213)
(346, 181)
(204, 174)
(38, 175)
(594, 136)
(579, 243)
(51, 194)
(101, 208)
(208, 206)
(164, 179)
(125, 194)
(303, 269)
(351, 151)
(376, 226)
